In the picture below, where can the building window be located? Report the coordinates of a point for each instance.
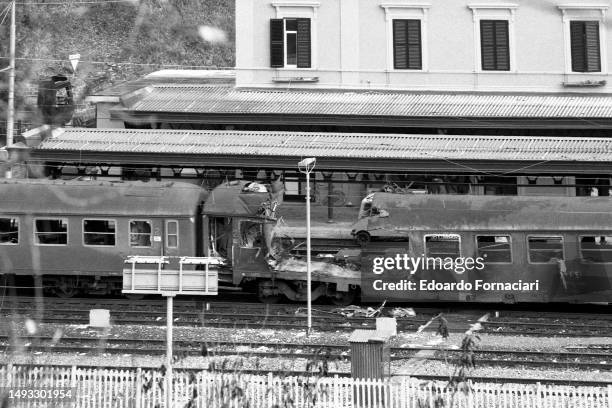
(99, 232)
(407, 44)
(494, 48)
(494, 248)
(172, 234)
(494, 45)
(545, 249)
(9, 231)
(596, 248)
(585, 47)
(443, 246)
(51, 231)
(140, 233)
(290, 43)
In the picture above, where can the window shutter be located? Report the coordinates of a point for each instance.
(577, 46)
(414, 44)
(591, 34)
(303, 43)
(584, 44)
(494, 45)
(407, 44)
(277, 46)
(400, 44)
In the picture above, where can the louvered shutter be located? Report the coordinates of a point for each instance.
(400, 44)
(407, 44)
(584, 44)
(277, 46)
(303, 43)
(591, 34)
(414, 44)
(494, 45)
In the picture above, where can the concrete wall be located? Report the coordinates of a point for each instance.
(351, 44)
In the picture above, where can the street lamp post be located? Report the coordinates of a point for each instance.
(306, 166)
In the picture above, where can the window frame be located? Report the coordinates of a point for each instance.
(441, 234)
(18, 231)
(286, 33)
(495, 235)
(395, 11)
(98, 219)
(571, 67)
(407, 46)
(582, 259)
(495, 48)
(129, 226)
(35, 232)
(167, 222)
(543, 236)
(586, 12)
(295, 10)
(493, 11)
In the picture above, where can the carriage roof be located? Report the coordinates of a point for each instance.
(231, 199)
(470, 212)
(99, 198)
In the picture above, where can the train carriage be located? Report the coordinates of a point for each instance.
(77, 234)
(519, 249)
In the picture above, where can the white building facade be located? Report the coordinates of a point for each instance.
(440, 45)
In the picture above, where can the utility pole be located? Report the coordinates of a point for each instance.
(10, 115)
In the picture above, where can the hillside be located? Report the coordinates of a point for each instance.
(118, 40)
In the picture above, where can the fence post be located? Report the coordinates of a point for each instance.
(138, 390)
(538, 394)
(9, 375)
(610, 395)
(73, 381)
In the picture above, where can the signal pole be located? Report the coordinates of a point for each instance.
(10, 115)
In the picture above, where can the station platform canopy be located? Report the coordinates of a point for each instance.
(362, 152)
(185, 103)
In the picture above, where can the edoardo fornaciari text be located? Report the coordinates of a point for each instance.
(433, 285)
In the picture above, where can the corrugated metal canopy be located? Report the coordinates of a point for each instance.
(41, 196)
(379, 147)
(194, 102)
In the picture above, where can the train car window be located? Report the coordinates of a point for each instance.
(50, 231)
(9, 231)
(494, 248)
(443, 246)
(172, 234)
(251, 234)
(140, 233)
(545, 249)
(596, 248)
(99, 232)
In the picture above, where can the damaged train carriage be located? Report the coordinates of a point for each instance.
(239, 225)
(560, 247)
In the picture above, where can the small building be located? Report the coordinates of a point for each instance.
(370, 356)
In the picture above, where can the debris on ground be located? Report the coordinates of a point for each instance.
(357, 311)
(402, 312)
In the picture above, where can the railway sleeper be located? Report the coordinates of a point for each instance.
(272, 291)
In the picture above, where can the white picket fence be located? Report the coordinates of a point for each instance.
(142, 388)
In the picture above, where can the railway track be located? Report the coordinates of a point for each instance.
(330, 352)
(288, 316)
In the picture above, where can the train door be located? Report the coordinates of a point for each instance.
(249, 246)
(592, 271)
(496, 259)
(171, 238)
(217, 233)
